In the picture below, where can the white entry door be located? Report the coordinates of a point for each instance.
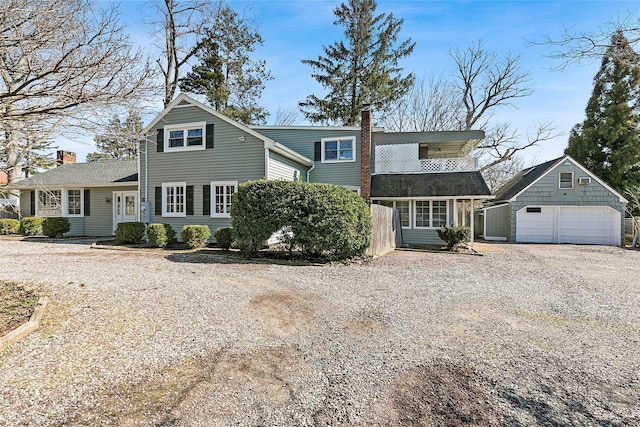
(125, 207)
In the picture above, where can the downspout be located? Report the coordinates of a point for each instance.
(313, 165)
(147, 205)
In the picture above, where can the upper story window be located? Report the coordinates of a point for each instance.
(189, 136)
(566, 180)
(339, 149)
(174, 199)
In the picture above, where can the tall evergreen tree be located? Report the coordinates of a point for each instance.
(119, 141)
(361, 69)
(608, 141)
(226, 75)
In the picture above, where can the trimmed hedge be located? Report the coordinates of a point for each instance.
(161, 235)
(30, 226)
(9, 226)
(195, 236)
(130, 232)
(55, 226)
(224, 237)
(454, 235)
(319, 219)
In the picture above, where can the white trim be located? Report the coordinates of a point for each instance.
(115, 215)
(333, 128)
(60, 203)
(287, 152)
(621, 199)
(431, 200)
(227, 208)
(338, 140)
(185, 127)
(65, 203)
(560, 187)
(166, 214)
(355, 188)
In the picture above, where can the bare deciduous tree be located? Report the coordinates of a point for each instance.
(286, 116)
(182, 24)
(62, 64)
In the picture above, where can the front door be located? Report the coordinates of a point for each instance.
(125, 207)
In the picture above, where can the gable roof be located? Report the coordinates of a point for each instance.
(528, 177)
(450, 184)
(92, 174)
(270, 144)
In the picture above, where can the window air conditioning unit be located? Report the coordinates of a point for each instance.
(584, 180)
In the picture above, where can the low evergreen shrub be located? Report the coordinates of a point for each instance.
(55, 226)
(130, 232)
(224, 237)
(161, 235)
(9, 226)
(30, 226)
(195, 236)
(454, 235)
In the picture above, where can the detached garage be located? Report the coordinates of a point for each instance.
(556, 202)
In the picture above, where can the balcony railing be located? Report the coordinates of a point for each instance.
(404, 159)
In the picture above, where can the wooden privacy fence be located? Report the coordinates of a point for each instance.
(386, 233)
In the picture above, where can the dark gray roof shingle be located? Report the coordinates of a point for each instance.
(429, 185)
(523, 179)
(84, 175)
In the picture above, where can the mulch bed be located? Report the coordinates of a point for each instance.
(16, 305)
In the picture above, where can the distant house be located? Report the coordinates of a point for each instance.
(193, 158)
(558, 201)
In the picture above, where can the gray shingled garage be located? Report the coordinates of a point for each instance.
(558, 201)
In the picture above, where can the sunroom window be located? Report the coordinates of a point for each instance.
(49, 203)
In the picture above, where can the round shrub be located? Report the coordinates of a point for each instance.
(320, 219)
(55, 226)
(30, 226)
(161, 235)
(130, 232)
(9, 226)
(454, 235)
(195, 236)
(224, 237)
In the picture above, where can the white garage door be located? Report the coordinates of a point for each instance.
(597, 225)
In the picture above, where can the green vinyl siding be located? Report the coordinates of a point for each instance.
(100, 220)
(237, 156)
(282, 168)
(496, 222)
(303, 139)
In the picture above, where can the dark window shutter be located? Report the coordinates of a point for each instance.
(317, 151)
(206, 200)
(158, 201)
(33, 203)
(210, 135)
(160, 140)
(189, 200)
(87, 204)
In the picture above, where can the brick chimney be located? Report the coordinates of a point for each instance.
(365, 154)
(64, 157)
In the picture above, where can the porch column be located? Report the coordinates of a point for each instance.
(473, 223)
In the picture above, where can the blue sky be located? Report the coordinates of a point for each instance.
(296, 30)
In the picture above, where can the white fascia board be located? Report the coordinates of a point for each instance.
(435, 198)
(579, 166)
(286, 152)
(328, 128)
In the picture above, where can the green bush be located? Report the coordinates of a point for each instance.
(161, 235)
(30, 226)
(454, 235)
(195, 236)
(55, 226)
(224, 237)
(319, 219)
(9, 226)
(130, 232)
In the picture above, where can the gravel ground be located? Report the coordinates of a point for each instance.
(524, 335)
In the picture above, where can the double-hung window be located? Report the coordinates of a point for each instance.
(221, 192)
(189, 136)
(430, 213)
(74, 202)
(566, 180)
(339, 149)
(49, 203)
(174, 199)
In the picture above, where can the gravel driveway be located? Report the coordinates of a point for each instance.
(524, 335)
